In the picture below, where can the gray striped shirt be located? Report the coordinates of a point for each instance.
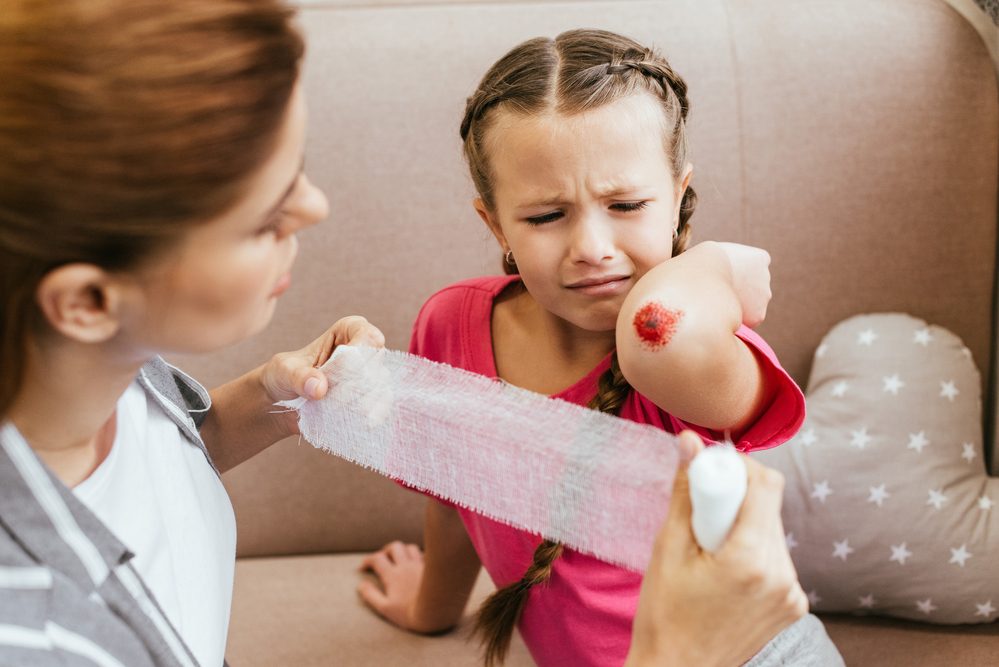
(69, 594)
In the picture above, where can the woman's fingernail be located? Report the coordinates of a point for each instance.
(312, 387)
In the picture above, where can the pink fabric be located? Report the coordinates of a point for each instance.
(583, 616)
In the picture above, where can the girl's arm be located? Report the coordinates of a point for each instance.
(243, 420)
(424, 592)
(676, 339)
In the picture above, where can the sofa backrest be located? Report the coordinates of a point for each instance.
(857, 141)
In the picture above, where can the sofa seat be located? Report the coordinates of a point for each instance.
(302, 611)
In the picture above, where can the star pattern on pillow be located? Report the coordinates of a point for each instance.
(888, 508)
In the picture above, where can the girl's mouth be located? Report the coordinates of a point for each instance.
(601, 286)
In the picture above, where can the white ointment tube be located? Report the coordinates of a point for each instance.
(717, 488)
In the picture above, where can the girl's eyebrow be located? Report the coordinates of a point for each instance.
(546, 201)
(287, 192)
(609, 191)
(615, 191)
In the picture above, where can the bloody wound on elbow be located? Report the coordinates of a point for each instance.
(655, 325)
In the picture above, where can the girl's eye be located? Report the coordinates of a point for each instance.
(629, 206)
(542, 219)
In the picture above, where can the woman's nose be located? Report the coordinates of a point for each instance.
(315, 204)
(310, 206)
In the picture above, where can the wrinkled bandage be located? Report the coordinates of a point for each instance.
(596, 483)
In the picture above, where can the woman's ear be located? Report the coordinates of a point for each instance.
(80, 301)
(489, 217)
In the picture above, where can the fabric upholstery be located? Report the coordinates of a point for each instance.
(312, 600)
(815, 134)
(857, 141)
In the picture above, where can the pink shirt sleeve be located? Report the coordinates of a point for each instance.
(779, 420)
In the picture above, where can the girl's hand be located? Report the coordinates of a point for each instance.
(750, 280)
(289, 375)
(399, 570)
(747, 592)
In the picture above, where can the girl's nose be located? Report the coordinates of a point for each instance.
(593, 241)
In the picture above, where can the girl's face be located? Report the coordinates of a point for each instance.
(587, 203)
(221, 283)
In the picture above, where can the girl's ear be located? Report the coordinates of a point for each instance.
(81, 302)
(492, 223)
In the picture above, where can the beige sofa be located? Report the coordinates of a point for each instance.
(858, 141)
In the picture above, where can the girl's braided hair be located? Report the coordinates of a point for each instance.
(576, 71)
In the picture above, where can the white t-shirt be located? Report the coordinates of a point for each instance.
(158, 494)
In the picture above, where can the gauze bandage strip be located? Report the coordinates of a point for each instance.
(596, 483)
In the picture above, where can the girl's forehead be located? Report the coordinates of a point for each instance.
(617, 143)
(640, 110)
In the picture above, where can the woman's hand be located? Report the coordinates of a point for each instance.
(289, 375)
(750, 280)
(243, 420)
(399, 570)
(698, 608)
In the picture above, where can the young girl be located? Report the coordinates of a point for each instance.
(577, 147)
(151, 189)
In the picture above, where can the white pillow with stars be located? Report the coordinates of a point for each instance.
(888, 508)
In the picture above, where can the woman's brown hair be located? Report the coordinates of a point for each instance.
(577, 71)
(122, 124)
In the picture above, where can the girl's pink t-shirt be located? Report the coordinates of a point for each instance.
(583, 616)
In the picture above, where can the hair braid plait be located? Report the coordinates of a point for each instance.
(501, 612)
(674, 90)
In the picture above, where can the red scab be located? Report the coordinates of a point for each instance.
(655, 325)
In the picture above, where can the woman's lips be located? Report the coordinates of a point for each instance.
(283, 283)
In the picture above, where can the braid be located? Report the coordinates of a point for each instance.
(687, 206)
(674, 90)
(500, 613)
(672, 84)
(612, 389)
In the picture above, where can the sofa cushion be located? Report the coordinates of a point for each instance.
(888, 508)
(883, 642)
(303, 611)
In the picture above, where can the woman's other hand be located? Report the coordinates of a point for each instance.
(699, 608)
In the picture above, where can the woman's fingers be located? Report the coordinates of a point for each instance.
(760, 512)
